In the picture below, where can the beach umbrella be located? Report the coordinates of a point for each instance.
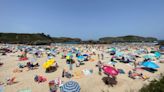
(85, 54)
(112, 49)
(118, 54)
(157, 54)
(110, 70)
(68, 57)
(148, 57)
(49, 57)
(32, 60)
(70, 86)
(69, 54)
(149, 64)
(48, 63)
(52, 52)
(81, 58)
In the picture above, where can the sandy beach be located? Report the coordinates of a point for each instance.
(88, 83)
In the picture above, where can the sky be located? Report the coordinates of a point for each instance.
(85, 19)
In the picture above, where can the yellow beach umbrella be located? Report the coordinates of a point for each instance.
(48, 63)
(67, 57)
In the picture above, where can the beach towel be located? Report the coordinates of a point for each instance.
(78, 74)
(92, 60)
(23, 59)
(1, 88)
(25, 90)
(87, 72)
(145, 77)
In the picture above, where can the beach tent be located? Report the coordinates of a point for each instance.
(149, 64)
(70, 86)
(110, 70)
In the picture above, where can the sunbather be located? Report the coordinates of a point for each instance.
(11, 81)
(39, 79)
(31, 65)
(66, 74)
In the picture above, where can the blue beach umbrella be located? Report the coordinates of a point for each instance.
(85, 54)
(148, 57)
(149, 64)
(80, 57)
(69, 54)
(32, 60)
(118, 54)
(70, 86)
(157, 54)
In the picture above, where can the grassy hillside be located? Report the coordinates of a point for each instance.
(24, 38)
(38, 38)
(129, 38)
(42, 39)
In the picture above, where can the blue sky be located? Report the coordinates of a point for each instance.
(86, 19)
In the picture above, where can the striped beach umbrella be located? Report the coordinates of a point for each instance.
(70, 86)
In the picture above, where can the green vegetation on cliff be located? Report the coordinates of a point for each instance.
(37, 39)
(129, 38)
(42, 39)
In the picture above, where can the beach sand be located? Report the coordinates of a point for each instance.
(90, 83)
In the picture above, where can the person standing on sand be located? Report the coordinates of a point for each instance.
(98, 56)
(99, 64)
(63, 73)
(135, 64)
(102, 56)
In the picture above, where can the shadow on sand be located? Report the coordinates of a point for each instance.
(109, 81)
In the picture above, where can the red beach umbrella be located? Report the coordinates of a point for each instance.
(110, 70)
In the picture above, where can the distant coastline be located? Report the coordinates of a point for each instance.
(43, 39)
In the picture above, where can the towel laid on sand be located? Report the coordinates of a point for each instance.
(25, 90)
(78, 74)
(1, 88)
(87, 72)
